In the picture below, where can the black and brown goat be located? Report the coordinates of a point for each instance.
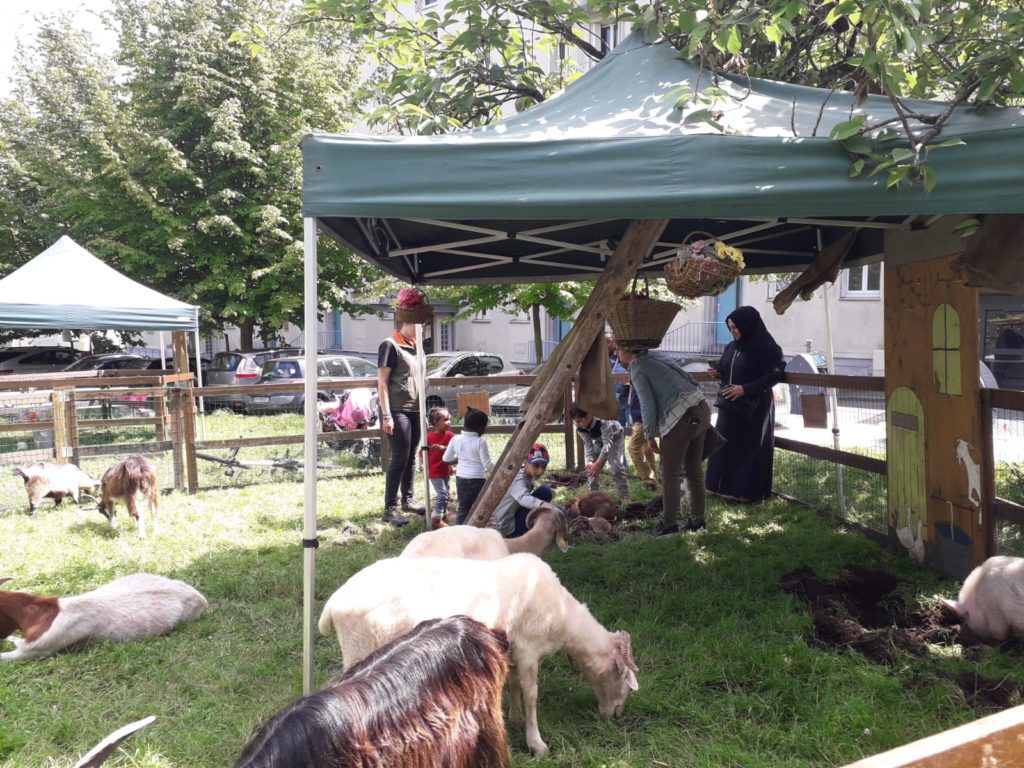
(430, 698)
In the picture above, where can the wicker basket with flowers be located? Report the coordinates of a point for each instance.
(411, 306)
(703, 267)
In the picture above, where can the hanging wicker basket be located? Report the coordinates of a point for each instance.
(692, 276)
(423, 313)
(640, 322)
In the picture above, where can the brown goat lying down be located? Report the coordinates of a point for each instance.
(55, 481)
(430, 698)
(126, 481)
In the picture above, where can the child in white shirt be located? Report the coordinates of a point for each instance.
(468, 451)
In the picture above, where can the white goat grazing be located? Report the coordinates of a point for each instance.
(55, 481)
(991, 601)
(547, 525)
(518, 594)
(128, 608)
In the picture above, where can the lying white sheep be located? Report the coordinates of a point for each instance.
(128, 608)
(518, 594)
(548, 525)
(991, 600)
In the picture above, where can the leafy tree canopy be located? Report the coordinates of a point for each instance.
(178, 162)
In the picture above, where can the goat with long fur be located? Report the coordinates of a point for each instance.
(991, 600)
(126, 481)
(518, 594)
(547, 526)
(430, 698)
(128, 608)
(44, 480)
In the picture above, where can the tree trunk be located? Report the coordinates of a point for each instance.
(246, 331)
(538, 340)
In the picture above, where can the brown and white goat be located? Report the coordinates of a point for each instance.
(126, 481)
(55, 481)
(518, 594)
(128, 608)
(547, 526)
(432, 697)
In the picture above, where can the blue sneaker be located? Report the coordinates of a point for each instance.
(665, 530)
(693, 525)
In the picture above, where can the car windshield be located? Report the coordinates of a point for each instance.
(435, 363)
(332, 368)
(85, 364)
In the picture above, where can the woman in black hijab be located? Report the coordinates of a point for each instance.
(750, 365)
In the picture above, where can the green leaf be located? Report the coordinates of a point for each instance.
(856, 167)
(929, 178)
(858, 145)
(846, 130)
(900, 154)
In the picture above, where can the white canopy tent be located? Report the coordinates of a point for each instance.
(66, 287)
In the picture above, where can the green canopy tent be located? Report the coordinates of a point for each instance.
(545, 195)
(608, 176)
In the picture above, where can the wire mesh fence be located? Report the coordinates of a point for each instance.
(1006, 420)
(831, 445)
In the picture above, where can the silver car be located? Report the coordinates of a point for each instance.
(283, 369)
(21, 360)
(454, 364)
(238, 368)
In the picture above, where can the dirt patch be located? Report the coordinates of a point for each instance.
(642, 510)
(861, 610)
(563, 479)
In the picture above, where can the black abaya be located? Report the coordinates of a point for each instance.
(743, 468)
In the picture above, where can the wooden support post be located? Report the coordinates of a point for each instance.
(570, 436)
(179, 343)
(160, 410)
(60, 437)
(178, 437)
(71, 420)
(549, 387)
(189, 461)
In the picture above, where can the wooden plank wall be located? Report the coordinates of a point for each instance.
(931, 342)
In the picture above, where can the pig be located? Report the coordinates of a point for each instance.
(991, 601)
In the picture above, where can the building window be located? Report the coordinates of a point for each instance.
(444, 332)
(775, 287)
(483, 316)
(864, 282)
(609, 37)
(521, 317)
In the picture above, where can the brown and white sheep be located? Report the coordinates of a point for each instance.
(44, 480)
(432, 697)
(128, 608)
(518, 594)
(593, 504)
(547, 526)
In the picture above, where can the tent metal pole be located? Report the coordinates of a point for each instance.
(309, 539)
(832, 392)
(421, 363)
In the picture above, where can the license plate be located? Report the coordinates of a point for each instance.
(261, 399)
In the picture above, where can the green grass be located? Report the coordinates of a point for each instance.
(728, 676)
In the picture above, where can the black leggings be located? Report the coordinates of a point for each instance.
(402, 468)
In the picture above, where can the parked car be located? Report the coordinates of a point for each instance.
(18, 360)
(112, 361)
(234, 368)
(294, 369)
(448, 364)
(155, 364)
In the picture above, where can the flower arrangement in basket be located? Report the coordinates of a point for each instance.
(411, 306)
(704, 267)
(640, 322)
